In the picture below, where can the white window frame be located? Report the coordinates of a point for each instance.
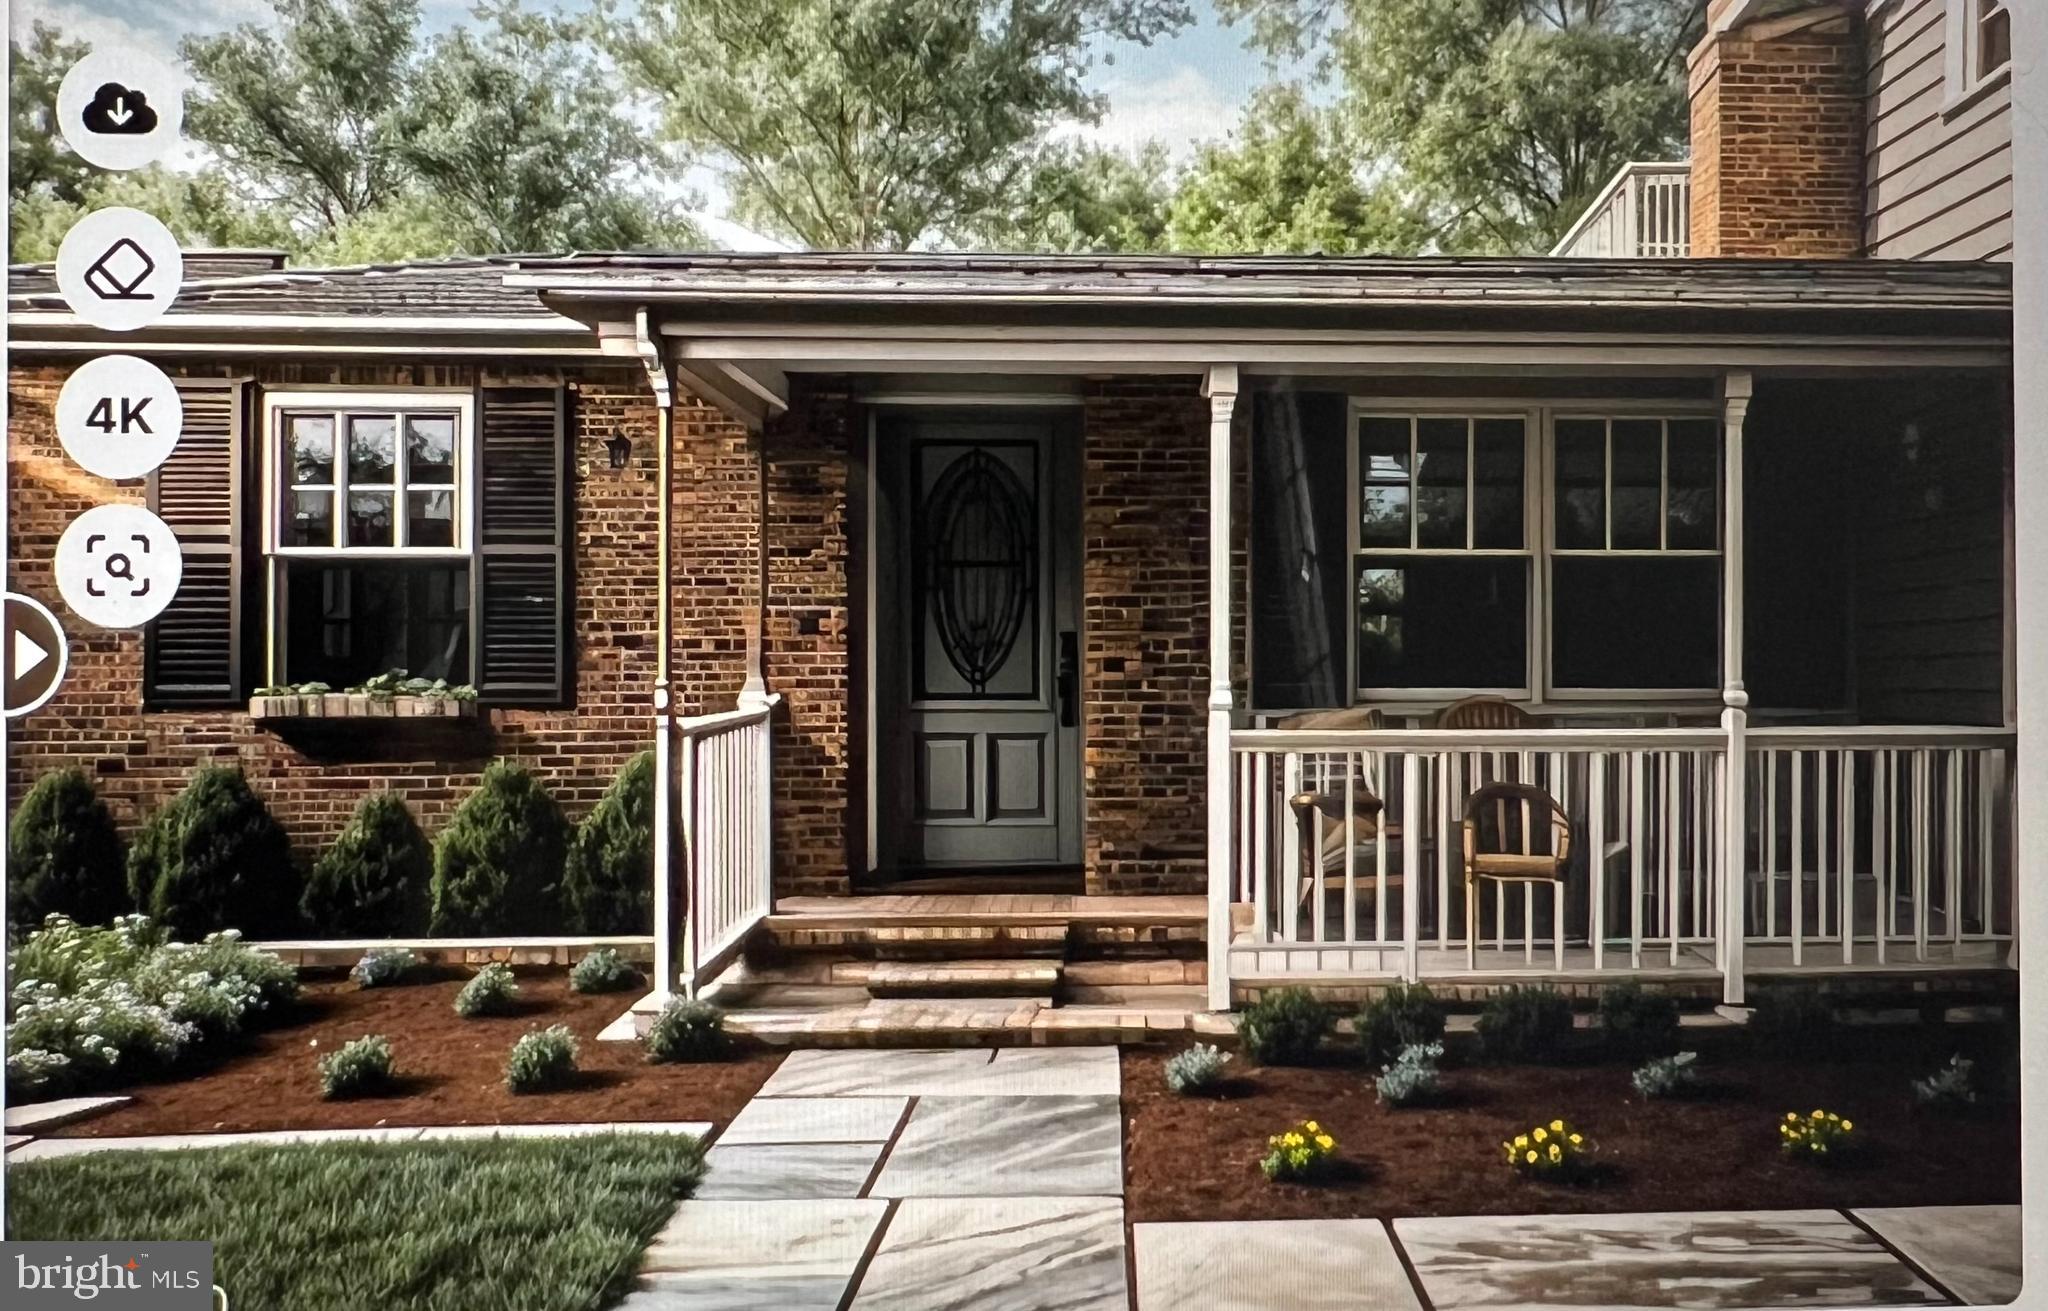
(1967, 81)
(341, 403)
(1539, 530)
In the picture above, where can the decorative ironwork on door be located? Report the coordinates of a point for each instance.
(980, 525)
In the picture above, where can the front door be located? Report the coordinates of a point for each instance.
(976, 623)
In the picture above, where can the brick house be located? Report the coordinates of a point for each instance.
(1156, 574)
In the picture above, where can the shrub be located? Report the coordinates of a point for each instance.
(1821, 1136)
(360, 1068)
(213, 858)
(497, 862)
(1668, 1076)
(1791, 1018)
(1549, 1151)
(1638, 1022)
(1198, 1069)
(687, 1032)
(1412, 1078)
(1302, 1153)
(63, 854)
(89, 1004)
(1951, 1087)
(608, 877)
(1526, 1024)
(492, 991)
(541, 1060)
(382, 967)
(1399, 1018)
(1285, 1026)
(372, 883)
(603, 970)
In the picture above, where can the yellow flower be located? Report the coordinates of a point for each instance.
(1555, 1154)
(1557, 1126)
(1846, 1126)
(1791, 1115)
(1521, 1140)
(1817, 1115)
(1325, 1142)
(1833, 1116)
(1541, 1135)
(1576, 1140)
(1313, 1127)
(1532, 1158)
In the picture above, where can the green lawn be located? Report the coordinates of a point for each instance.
(530, 1224)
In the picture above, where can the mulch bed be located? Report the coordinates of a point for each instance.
(450, 1069)
(1196, 1158)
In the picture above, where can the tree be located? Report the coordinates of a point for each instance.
(1500, 118)
(1082, 198)
(200, 209)
(1288, 183)
(38, 161)
(874, 124)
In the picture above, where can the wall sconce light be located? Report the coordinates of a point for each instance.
(621, 448)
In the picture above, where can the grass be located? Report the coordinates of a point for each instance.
(528, 1224)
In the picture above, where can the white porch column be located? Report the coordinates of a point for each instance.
(1221, 388)
(1735, 392)
(665, 908)
(754, 691)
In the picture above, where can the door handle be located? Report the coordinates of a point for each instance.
(1069, 678)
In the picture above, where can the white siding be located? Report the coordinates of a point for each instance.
(1937, 176)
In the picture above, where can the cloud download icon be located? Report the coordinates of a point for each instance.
(116, 110)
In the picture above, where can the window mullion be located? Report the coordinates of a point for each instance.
(1414, 480)
(1607, 489)
(1663, 484)
(339, 533)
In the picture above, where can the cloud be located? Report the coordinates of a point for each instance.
(1178, 109)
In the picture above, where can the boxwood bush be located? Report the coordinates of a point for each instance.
(608, 877)
(542, 1060)
(358, 1068)
(372, 883)
(603, 970)
(1526, 1024)
(1285, 1026)
(491, 991)
(687, 1031)
(63, 854)
(498, 862)
(1403, 1016)
(213, 858)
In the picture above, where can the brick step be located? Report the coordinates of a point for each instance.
(964, 978)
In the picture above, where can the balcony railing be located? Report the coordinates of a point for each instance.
(1644, 213)
(718, 884)
(1862, 848)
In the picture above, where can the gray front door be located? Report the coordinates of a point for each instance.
(977, 691)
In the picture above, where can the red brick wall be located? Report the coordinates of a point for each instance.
(1777, 138)
(140, 759)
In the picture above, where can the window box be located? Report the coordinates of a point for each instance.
(360, 705)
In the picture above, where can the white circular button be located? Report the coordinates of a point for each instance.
(118, 566)
(119, 416)
(119, 269)
(120, 108)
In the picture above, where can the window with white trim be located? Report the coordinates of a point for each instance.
(368, 534)
(1479, 568)
(1979, 36)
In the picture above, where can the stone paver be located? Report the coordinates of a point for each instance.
(999, 1254)
(783, 1172)
(1302, 1265)
(15, 1140)
(948, 1072)
(41, 1117)
(756, 1256)
(815, 1120)
(1702, 1259)
(1973, 1251)
(1007, 1147)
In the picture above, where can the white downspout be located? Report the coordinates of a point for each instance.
(663, 700)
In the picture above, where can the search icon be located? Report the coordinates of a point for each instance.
(125, 571)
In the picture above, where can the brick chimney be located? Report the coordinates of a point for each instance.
(1778, 132)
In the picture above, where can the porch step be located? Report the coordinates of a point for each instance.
(964, 978)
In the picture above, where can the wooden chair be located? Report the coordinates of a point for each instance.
(1484, 712)
(1514, 808)
(1309, 805)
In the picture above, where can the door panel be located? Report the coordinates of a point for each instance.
(975, 604)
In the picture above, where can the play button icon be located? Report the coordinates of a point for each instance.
(33, 653)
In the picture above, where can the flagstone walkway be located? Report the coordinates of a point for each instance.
(977, 1180)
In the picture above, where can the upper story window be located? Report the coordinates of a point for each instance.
(369, 473)
(1979, 45)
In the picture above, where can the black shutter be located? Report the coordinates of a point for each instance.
(193, 651)
(1301, 564)
(522, 581)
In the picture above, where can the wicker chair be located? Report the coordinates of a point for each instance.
(1518, 811)
(1484, 712)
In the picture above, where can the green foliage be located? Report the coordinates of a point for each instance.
(1638, 1022)
(1285, 1026)
(1198, 1069)
(492, 990)
(1530, 1025)
(1668, 1076)
(386, 967)
(360, 1068)
(542, 1060)
(38, 160)
(63, 854)
(213, 858)
(1080, 198)
(426, 1226)
(687, 1032)
(1400, 1017)
(871, 126)
(603, 970)
(498, 861)
(372, 883)
(1412, 1077)
(608, 877)
(1790, 1018)
(1952, 1087)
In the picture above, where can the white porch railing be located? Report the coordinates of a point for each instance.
(1864, 847)
(719, 885)
(1645, 212)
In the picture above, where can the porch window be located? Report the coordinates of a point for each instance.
(368, 534)
(1979, 48)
